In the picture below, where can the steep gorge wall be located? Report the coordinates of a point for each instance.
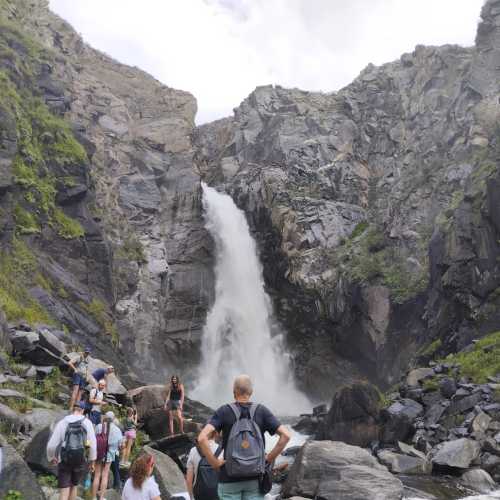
(140, 277)
(376, 207)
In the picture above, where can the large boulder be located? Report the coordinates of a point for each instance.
(28, 346)
(39, 418)
(332, 470)
(167, 474)
(35, 453)
(16, 475)
(398, 420)
(156, 424)
(478, 480)
(456, 454)
(12, 420)
(414, 378)
(50, 342)
(353, 416)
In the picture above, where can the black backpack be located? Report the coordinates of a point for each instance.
(207, 479)
(73, 450)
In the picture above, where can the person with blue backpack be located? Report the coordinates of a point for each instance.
(242, 424)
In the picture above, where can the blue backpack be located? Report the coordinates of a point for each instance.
(245, 450)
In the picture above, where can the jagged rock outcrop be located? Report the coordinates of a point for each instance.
(140, 274)
(376, 207)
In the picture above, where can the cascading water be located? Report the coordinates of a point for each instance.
(237, 335)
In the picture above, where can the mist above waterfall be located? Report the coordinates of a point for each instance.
(237, 337)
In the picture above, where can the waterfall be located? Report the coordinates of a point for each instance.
(237, 336)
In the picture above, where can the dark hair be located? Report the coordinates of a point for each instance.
(176, 377)
(139, 470)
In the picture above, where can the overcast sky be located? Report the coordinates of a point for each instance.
(220, 50)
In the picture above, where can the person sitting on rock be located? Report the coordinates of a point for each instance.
(103, 464)
(240, 480)
(141, 485)
(96, 399)
(80, 367)
(101, 374)
(130, 434)
(72, 447)
(174, 403)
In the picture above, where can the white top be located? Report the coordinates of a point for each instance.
(148, 491)
(194, 458)
(57, 438)
(99, 396)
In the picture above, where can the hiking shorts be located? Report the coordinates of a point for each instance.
(79, 380)
(173, 404)
(68, 476)
(95, 417)
(241, 490)
(130, 434)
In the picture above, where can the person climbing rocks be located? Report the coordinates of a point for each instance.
(114, 438)
(96, 399)
(80, 367)
(141, 485)
(130, 434)
(101, 374)
(174, 403)
(73, 448)
(239, 480)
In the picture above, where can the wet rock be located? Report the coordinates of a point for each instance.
(406, 449)
(478, 480)
(15, 474)
(458, 406)
(353, 416)
(456, 454)
(404, 464)
(480, 423)
(167, 474)
(36, 452)
(448, 387)
(336, 470)
(398, 420)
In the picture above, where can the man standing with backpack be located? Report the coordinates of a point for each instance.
(201, 479)
(242, 425)
(72, 447)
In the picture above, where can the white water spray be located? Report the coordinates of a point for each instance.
(237, 335)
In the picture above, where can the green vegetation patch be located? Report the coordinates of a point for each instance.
(67, 227)
(483, 361)
(370, 258)
(430, 349)
(132, 249)
(98, 310)
(17, 273)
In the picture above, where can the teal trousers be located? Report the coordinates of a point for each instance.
(242, 490)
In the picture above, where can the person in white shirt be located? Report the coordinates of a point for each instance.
(192, 465)
(141, 485)
(69, 476)
(96, 398)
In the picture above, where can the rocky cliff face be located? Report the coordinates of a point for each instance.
(376, 208)
(139, 271)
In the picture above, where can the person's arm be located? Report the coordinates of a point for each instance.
(92, 440)
(182, 396)
(189, 481)
(93, 398)
(166, 399)
(71, 363)
(54, 442)
(284, 437)
(203, 441)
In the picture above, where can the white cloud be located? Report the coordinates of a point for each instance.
(220, 50)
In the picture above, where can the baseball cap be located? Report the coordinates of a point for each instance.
(87, 349)
(81, 405)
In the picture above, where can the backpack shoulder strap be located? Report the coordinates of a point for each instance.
(252, 410)
(236, 410)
